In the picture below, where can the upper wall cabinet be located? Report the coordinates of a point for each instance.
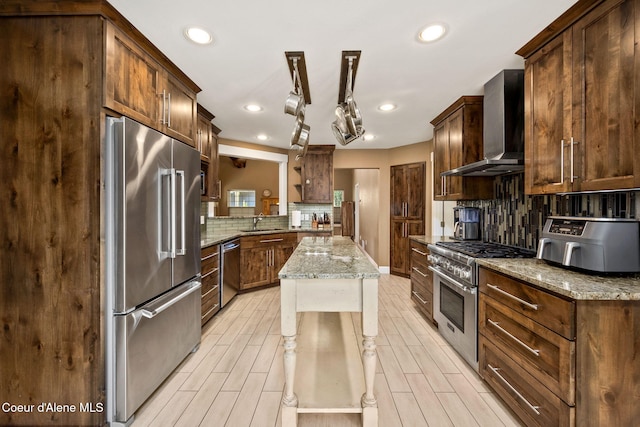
(138, 86)
(457, 140)
(316, 174)
(581, 96)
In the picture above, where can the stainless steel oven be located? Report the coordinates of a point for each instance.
(455, 308)
(455, 290)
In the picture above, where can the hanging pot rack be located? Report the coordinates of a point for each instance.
(295, 59)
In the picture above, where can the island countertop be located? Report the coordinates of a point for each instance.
(328, 258)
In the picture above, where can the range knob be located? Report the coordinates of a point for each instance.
(465, 274)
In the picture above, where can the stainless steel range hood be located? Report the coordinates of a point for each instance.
(503, 128)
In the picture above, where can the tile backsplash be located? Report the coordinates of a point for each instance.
(514, 218)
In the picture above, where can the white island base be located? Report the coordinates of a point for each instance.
(325, 372)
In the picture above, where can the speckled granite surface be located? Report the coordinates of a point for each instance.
(429, 239)
(566, 282)
(328, 258)
(213, 238)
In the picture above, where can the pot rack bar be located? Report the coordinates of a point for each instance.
(344, 71)
(302, 70)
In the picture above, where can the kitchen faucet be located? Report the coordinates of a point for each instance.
(256, 219)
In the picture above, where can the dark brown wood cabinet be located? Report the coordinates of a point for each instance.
(262, 257)
(553, 359)
(58, 67)
(137, 85)
(210, 271)
(421, 279)
(207, 143)
(580, 120)
(457, 141)
(316, 174)
(408, 186)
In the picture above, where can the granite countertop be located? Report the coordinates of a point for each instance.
(328, 258)
(214, 238)
(430, 239)
(570, 283)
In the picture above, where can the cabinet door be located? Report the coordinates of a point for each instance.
(203, 138)
(255, 269)
(416, 180)
(398, 191)
(131, 79)
(399, 259)
(548, 118)
(179, 109)
(214, 179)
(317, 177)
(455, 125)
(605, 80)
(440, 159)
(281, 254)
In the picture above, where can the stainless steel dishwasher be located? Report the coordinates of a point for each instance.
(230, 270)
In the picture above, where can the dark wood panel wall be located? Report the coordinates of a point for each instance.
(50, 299)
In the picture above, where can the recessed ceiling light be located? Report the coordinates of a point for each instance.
(198, 35)
(254, 108)
(368, 137)
(262, 137)
(387, 107)
(432, 33)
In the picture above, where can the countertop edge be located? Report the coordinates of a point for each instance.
(215, 239)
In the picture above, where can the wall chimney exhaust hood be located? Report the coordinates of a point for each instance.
(503, 128)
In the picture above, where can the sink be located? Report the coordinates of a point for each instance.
(260, 230)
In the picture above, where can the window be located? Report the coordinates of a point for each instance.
(338, 197)
(241, 198)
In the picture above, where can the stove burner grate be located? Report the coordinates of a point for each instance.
(487, 249)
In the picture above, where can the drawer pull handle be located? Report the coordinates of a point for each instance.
(418, 296)
(516, 339)
(209, 256)
(420, 252)
(210, 273)
(521, 301)
(208, 312)
(533, 408)
(209, 291)
(271, 240)
(418, 271)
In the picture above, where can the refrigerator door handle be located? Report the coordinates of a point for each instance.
(172, 214)
(152, 310)
(182, 250)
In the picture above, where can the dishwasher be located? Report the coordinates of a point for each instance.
(230, 270)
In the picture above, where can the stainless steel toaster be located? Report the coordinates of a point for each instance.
(607, 245)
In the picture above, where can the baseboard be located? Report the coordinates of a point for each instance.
(385, 270)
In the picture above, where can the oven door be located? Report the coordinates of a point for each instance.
(455, 308)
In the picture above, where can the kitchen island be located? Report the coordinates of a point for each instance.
(328, 275)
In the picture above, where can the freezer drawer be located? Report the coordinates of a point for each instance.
(151, 342)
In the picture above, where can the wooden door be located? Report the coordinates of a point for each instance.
(605, 81)
(254, 267)
(132, 79)
(416, 184)
(398, 191)
(455, 124)
(181, 108)
(399, 260)
(548, 118)
(440, 159)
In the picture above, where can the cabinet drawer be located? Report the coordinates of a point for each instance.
(210, 282)
(547, 356)
(419, 253)
(422, 275)
(549, 310)
(267, 240)
(209, 259)
(423, 299)
(210, 305)
(528, 398)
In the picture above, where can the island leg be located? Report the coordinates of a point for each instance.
(369, 357)
(288, 329)
(289, 398)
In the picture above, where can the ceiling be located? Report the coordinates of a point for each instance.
(246, 62)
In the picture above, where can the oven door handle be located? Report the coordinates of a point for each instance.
(464, 288)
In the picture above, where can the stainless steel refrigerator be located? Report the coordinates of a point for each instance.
(152, 243)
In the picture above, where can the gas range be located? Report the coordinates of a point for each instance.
(458, 257)
(455, 289)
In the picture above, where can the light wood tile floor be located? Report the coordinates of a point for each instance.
(236, 377)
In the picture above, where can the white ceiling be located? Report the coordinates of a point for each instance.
(246, 63)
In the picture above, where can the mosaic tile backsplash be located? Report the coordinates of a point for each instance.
(514, 218)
